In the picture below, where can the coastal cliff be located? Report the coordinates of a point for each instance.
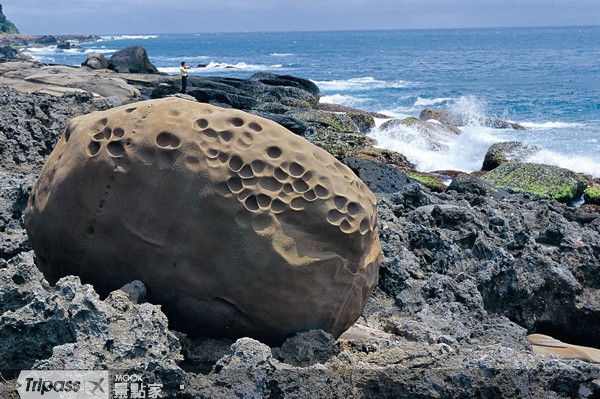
(5, 25)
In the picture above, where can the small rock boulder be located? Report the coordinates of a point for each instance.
(472, 184)
(133, 59)
(550, 181)
(379, 177)
(96, 61)
(507, 151)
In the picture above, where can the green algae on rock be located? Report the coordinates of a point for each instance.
(591, 195)
(549, 181)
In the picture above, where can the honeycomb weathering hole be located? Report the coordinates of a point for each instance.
(353, 208)
(255, 126)
(118, 133)
(274, 152)
(257, 165)
(296, 169)
(93, 148)
(235, 184)
(201, 123)
(236, 163)
(167, 140)
(115, 148)
(237, 122)
(251, 203)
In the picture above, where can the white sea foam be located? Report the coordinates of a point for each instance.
(349, 101)
(464, 152)
(99, 51)
(359, 84)
(281, 54)
(551, 125)
(427, 102)
(128, 37)
(212, 66)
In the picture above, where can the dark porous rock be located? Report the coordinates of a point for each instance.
(527, 258)
(466, 183)
(547, 180)
(15, 189)
(69, 327)
(508, 151)
(379, 177)
(464, 119)
(96, 61)
(306, 348)
(133, 59)
(30, 125)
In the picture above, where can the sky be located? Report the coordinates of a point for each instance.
(197, 16)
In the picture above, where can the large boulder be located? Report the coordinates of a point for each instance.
(507, 151)
(133, 59)
(465, 119)
(236, 226)
(550, 181)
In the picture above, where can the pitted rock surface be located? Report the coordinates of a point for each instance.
(236, 226)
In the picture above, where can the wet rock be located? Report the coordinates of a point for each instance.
(510, 151)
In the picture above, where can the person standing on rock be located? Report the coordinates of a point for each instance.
(184, 72)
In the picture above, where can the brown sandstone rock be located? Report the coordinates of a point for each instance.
(236, 226)
(546, 345)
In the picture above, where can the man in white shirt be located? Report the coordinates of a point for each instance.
(184, 72)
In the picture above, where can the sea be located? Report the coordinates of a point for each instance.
(544, 78)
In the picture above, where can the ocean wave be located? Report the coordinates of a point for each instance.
(281, 54)
(359, 84)
(128, 37)
(551, 125)
(464, 152)
(427, 102)
(99, 51)
(222, 66)
(349, 101)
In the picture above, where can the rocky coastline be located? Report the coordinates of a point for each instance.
(469, 272)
